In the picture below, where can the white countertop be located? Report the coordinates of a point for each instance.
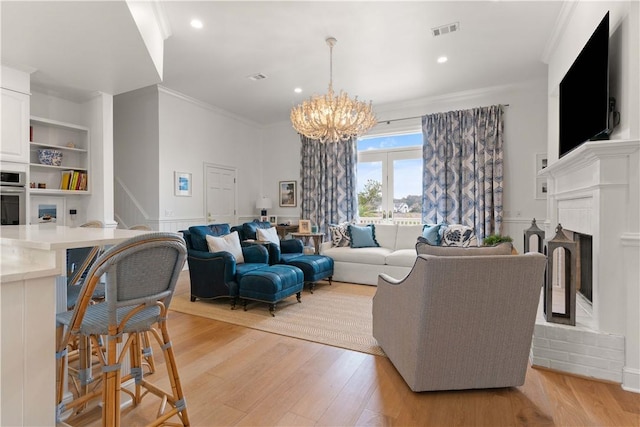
(16, 271)
(62, 237)
(33, 251)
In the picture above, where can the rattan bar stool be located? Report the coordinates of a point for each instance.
(141, 275)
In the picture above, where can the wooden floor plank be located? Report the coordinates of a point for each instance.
(321, 394)
(234, 376)
(349, 403)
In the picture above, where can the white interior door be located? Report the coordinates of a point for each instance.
(220, 194)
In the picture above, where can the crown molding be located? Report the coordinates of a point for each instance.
(559, 28)
(209, 107)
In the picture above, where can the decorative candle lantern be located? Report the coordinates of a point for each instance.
(561, 265)
(534, 230)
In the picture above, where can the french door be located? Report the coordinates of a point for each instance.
(398, 175)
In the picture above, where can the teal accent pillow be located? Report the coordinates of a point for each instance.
(431, 232)
(363, 236)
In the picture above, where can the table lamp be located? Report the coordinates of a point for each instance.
(263, 204)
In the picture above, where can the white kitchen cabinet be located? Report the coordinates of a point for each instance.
(14, 145)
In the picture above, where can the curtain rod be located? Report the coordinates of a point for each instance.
(415, 117)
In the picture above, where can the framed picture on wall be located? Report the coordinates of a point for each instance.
(541, 188)
(182, 182)
(304, 226)
(288, 194)
(47, 210)
(541, 181)
(541, 161)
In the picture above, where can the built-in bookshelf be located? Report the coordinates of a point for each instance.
(72, 175)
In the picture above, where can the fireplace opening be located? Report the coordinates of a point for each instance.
(584, 273)
(570, 275)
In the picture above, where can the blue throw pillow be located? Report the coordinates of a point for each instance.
(363, 236)
(431, 232)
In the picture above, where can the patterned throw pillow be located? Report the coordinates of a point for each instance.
(459, 235)
(340, 234)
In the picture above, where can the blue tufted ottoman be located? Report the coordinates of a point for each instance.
(271, 284)
(314, 267)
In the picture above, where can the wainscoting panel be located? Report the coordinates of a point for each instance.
(515, 227)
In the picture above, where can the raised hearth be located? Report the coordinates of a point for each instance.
(595, 190)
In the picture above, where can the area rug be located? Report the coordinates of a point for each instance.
(338, 315)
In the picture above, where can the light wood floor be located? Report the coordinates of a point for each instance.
(234, 376)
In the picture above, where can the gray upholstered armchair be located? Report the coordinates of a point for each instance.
(460, 322)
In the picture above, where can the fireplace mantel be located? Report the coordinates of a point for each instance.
(588, 153)
(595, 189)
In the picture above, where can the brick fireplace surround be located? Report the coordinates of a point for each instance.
(595, 190)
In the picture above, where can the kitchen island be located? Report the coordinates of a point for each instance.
(32, 291)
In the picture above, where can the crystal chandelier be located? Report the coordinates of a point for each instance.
(331, 118)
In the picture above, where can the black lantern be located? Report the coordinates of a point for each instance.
(561, 266)
(534, 230)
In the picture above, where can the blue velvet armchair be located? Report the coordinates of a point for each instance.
(216, 274)
(290, 252)
(288, 249)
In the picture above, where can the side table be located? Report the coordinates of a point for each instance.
(318, 238)
(283, 230)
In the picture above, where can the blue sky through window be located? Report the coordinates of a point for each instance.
(408, 173)
(390, 141)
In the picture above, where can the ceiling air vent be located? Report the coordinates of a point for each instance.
(257, 77)
(445, 29)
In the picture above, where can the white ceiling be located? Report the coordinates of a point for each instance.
(385, 51)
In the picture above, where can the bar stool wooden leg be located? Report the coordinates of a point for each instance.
(111, 384)
(147, 351)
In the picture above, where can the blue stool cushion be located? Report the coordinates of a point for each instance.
(314, 267)
(271, 284)
(286, 258)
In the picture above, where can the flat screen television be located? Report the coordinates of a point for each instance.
(584, 93)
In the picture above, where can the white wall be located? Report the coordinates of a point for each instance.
(525, 135)
(159, 132)
(55, 108)
(192, 134)
(136, 150)
(624, 61)
(281, 162)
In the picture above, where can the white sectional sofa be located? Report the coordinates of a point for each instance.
(395, 256)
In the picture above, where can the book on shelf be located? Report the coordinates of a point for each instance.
(65, 179)
(82, 181)
(74, 180)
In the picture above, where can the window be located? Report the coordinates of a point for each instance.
(389, 183)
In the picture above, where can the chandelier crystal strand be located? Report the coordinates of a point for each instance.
(332, 118)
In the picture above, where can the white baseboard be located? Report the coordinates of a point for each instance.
(631, 380)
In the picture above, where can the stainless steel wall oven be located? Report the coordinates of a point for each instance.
(12, 198)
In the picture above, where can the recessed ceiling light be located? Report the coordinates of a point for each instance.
(196, 23)
(298, 90)
(442, 59)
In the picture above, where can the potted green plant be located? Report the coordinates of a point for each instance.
(496, 239)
